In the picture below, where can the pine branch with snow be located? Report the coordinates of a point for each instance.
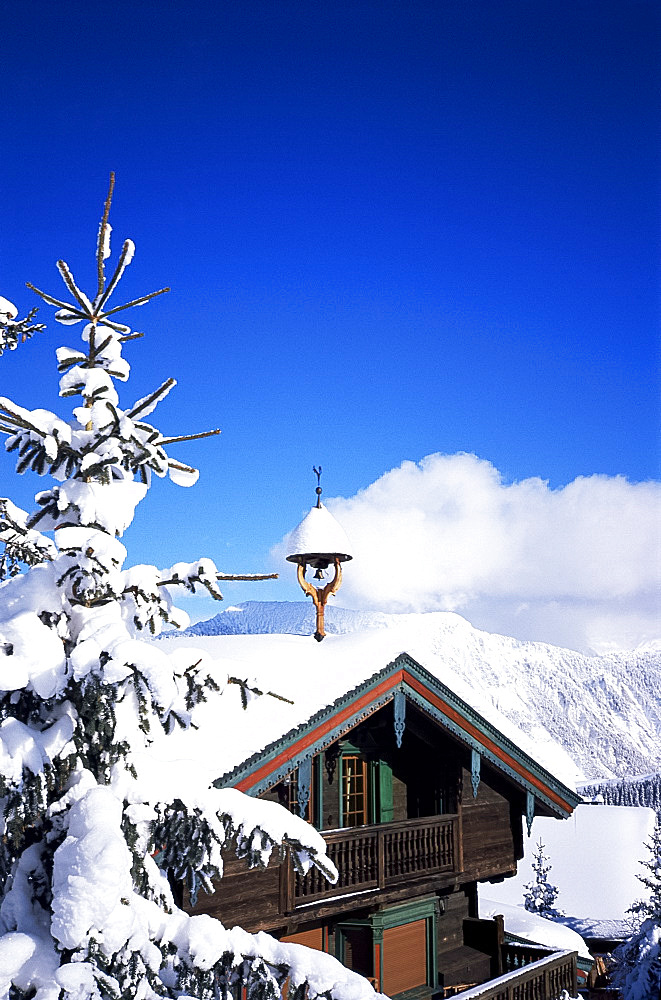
(93, 836)
(22, 547)
(15, 331)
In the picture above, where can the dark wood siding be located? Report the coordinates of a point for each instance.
(250, 898)
(490, 844)
(459, 961)
(450, 929)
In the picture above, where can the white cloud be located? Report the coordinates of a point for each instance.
(577, 566)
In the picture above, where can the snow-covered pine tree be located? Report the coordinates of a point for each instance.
(85, 911)
(637, 791)
(637, 971)
(540, 895)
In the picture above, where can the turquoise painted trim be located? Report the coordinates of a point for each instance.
(318, 786)
(476, 759)
(405, 913)
(423, 676)
(530, 811)
(399, 716)
(372, 792)
(304, 785)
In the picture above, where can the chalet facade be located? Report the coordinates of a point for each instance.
(419, 798)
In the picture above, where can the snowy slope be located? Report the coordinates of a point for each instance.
(595, 840)
(604, 710)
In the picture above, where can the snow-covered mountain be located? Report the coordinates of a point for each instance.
(287, 618)
(604, 710)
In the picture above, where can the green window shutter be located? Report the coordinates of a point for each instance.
(386, 808)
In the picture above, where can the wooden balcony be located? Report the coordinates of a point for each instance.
(541, 980)
(378, 857)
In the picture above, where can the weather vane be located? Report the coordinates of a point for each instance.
(318, 491)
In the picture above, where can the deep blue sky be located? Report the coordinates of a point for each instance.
(390, 228)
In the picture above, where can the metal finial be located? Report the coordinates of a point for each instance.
(318, 490)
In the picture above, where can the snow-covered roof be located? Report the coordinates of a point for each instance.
(594, 859)
(600, 708)
(318, 533)
(531, 927)
(314, 677)
(607, 930)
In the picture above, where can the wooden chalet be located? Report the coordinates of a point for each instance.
(419, 798)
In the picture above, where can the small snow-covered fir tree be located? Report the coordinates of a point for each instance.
(540, 895)
(85, 911)
(637, 971)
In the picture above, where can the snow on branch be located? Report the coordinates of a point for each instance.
(16, 331)
(23, 545)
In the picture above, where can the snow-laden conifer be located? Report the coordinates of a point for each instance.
(85, 909)
(540, 894)
(637, 971)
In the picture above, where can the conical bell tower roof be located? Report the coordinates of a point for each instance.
(318, 538)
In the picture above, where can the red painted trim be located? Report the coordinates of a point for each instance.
(473, 731)
(326, 727)
(401, 675)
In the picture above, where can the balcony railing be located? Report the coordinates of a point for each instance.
(378, 857)
(542, 980)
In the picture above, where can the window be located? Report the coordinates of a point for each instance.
(355, 800)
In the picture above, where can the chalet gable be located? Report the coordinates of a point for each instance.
(405, 682)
